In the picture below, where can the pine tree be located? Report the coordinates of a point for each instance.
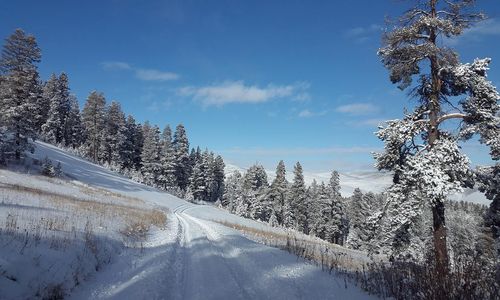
(73, 132)
(254, 187)
(278, 193)
(167, 159)
(217, 188)
(20, 93)
(233, 192)
(359, 211)
(47, 167)
(56, 92)
(132, 147)
(150, 157)
(489, 183)
(198, 180)
(424, 155)
(298, 200)
(93, 117)
(114, 135)
(316, 206)
(338, 225)
(182, 161)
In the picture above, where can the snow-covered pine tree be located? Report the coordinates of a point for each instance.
(47, 167)
(73, 128)
(20, 92)
(182, 161)
(93, 121)
(314, 209)
(298, 200)
(56, 92)
(217, 189)
(489, 183)
(424, 155)
(254, 188)
(338, 224)
(321, 212)
(233, 191)
(278, 193)
(150, 156)
(198, 181)
(208, 159)
(114, 136)
(43, 105)
(359, 212)
(167, 159)
(132, 148)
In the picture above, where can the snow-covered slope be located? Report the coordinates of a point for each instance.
(195, 258)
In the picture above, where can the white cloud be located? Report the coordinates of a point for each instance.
(116, 65)
(489, 27)
(239, 92)
(155, 75)
(358, 109)
(371, 122)
(363, 34)
(142, 74)
(306, 113)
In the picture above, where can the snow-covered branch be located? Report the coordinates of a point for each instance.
(451, 116)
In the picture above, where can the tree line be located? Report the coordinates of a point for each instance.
(31, 109)
(317, 210)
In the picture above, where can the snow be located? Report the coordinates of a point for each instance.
(193, 258)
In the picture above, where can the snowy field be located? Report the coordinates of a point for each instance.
(98, 235)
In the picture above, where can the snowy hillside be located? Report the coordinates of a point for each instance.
(189, 257)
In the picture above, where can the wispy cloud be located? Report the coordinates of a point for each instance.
(155, 75)
(301, 151)
(116, 65)
(157, 106)
(363, 34)
(142, 74)
(375, 122)
(306, 113)
(484, 29)
(357, 109)
(239, 92)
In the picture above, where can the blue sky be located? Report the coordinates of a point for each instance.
(256, 81)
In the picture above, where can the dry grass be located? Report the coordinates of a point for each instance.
(329, 256)
(138, 219)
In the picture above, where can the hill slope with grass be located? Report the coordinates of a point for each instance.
(93, 234)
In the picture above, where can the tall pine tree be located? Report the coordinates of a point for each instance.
(93, 117)
(420, 148)
(150, 156)
(167, 159)
(20, 92)
(278, 193)
(182, 161)
(114, 138)
(56, 92)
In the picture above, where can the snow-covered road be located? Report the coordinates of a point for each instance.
(205, 260)
(196, 258)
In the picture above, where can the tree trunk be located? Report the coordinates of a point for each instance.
(439, 228)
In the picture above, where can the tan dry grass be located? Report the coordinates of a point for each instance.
(328, 256)
(138, 219)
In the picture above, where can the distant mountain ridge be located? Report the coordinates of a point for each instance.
(366, 181)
